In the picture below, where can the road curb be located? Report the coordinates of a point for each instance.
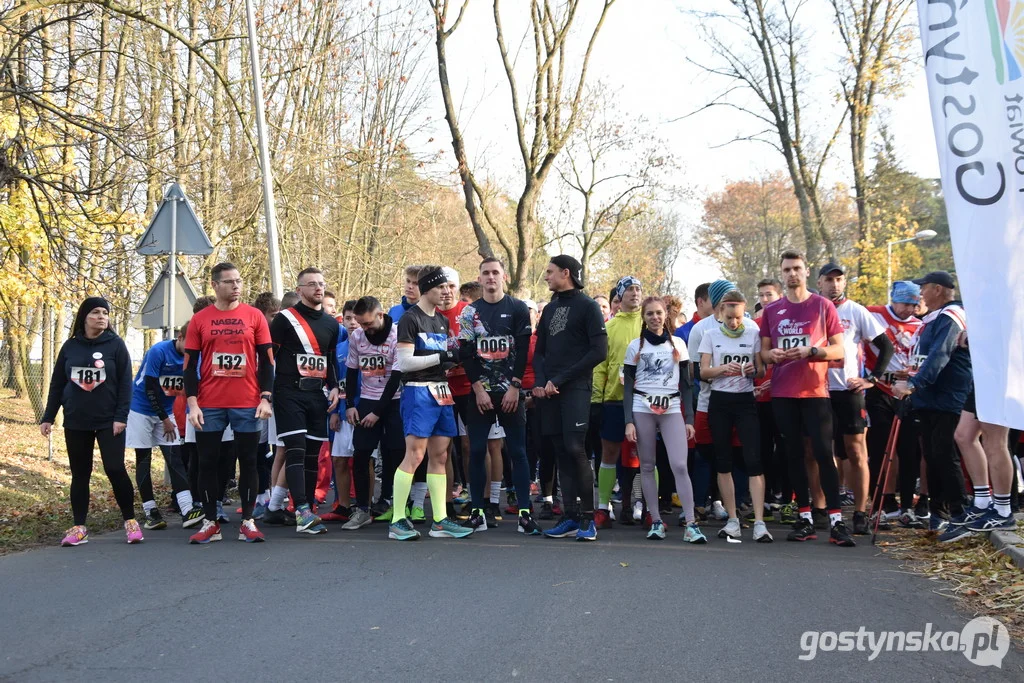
(1010, 543)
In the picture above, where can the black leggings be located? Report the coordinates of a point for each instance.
(811, 417)
(773, 454)
(882, 411)
(575, 478)
(263, 465)
(301, 462)
(725, 411)
(392, 458)
(945, 476)
(208, 447)
(80, 443)
(144, 474)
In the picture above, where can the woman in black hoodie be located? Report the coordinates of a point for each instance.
(92, 381)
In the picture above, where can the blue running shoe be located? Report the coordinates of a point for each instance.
(449, 528)
(565, 527)
(937, 524)
(657, 532)
(694, 535)
(259, 510)
(402, 531)
(993, 521)
(969, 515)
(588, 532)
(306, 521)
(954, 532)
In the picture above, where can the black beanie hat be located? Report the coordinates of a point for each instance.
(87, 306)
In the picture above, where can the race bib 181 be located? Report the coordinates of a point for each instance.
(228, 364)
(88, 378)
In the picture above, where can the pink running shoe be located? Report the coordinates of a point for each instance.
(76, 535)
(132, 531)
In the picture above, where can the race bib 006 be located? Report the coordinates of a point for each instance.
(311, 365)
(172, 385)
(228, 364)
(493, 348)
(88, 378)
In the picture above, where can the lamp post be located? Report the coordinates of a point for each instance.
(923, 235)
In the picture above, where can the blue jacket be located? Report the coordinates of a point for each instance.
(943, 378)
(397, 310)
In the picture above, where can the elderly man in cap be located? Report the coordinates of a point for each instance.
(623, 328)
(937, 388)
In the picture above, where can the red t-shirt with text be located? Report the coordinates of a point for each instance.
(789, 325)
(458, 380)
(227, 342)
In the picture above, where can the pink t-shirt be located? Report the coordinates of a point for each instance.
(791, 325)
(374, 362)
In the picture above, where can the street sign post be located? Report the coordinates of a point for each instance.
(155, 312)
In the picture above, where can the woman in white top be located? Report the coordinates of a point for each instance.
(730, 359)
(656, 394)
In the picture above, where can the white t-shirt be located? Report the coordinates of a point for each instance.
(657, 374)
(859, 326)
(693, 346)
(725, 349)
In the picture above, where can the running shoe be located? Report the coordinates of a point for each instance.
(860, 524)
(803, 530)
(279, 518)
(495, 510)
(248, 532)
(968, 516)
(534, 488)
(819, 517)
(556, 508)
(357, 520)
(761, 533)
(258, 510)
(922, 510)
(751, 518)
(546, 511)
(587, 532)
(648, 520)
(718, 512)
(492, 519)
(840, 535)
(731, 529)
(417, 515)
(221, 515)
(76, 535)
(993, 521)
(527, 525)
(194, 517)
(657, 532)
(937, 524)
(476, 522)
(210, 531)
(339, 513)
(602, 519)
(402, 531)
(132, 531)
(382, 512)
(512, 503)
(954, 533)
(306, 522)
(846, 498)
(565, 527)
(154, 520)
(638, 510)
(694, 535)
(682, 517)
(910, 520)
(665, 506)
(462, 498)
(789, 513)
(675, 501)
(448, 528)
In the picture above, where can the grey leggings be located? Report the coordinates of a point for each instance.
(673, 433)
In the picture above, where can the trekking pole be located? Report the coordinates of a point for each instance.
(49, 447)
(884, 474)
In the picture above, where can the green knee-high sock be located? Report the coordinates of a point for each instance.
(605, 484)
(437, 484)
(402, 486)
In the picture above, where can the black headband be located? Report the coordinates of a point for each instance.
(434, 278)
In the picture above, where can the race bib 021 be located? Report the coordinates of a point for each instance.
(172, 385)
(311, 365)
(794, 341)
(493, 348)
(228, 364)
(88, 378)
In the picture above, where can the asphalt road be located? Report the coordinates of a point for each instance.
(496, 606)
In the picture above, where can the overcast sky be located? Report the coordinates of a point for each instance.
(642, 53)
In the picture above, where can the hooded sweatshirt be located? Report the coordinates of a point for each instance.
(622, 329)
(92, 381)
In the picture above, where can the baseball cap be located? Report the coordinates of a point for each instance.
(905, 292)
(936, 277)
(831, 268)
(572, 265)
(530, 304)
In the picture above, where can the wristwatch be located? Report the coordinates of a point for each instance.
(872, 379)
(814, 351)
(518, 384)
(268, 396)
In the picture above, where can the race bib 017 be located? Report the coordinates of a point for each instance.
(88, 378)
(172, 385)
(493, 348)
(441, 393)
(228, 364)
(311, 365)
(373, 366)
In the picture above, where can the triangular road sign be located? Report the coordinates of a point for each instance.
(153, 313)
(191, 238)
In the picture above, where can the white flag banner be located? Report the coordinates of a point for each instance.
(974, 59)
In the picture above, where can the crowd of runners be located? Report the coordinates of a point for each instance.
(584, 411)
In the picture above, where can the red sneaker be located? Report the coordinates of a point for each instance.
(602, 520)
(648, 522)
(512, 510)
(338, 514)
(210, 531)
(249, 533)
(556, 509)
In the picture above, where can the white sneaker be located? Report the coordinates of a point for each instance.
(732, 529)
(638, 510)
(761, 533)
(358, 519)
(718, 511)
(611, 512)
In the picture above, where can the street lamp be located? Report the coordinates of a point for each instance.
(923, 235)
